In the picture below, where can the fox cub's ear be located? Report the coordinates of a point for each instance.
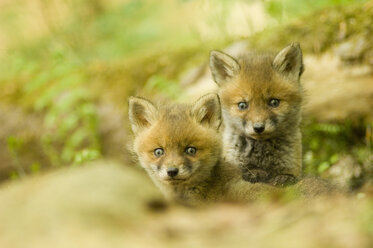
(289, 62)
(223, 67)
(207, 111)
(141, 113)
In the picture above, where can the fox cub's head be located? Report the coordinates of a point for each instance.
(176, 143)
(260, 93)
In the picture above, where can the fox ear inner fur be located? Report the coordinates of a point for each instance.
(207, 110)
(289, 62)
(223, 67)
(142, 113)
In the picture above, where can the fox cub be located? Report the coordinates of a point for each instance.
(261, 100)
(180, 148)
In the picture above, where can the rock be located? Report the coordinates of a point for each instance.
(352, 50)
(346, 173)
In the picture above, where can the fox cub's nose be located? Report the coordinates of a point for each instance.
(172, 171)
(258, 127)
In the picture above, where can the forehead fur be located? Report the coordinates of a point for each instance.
(258, 79)
(257, 67)
(176, 127)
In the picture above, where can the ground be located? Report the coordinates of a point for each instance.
(107, 205)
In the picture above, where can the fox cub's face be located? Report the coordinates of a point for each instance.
(260, 94)
(176, 143)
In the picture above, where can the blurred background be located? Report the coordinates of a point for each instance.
(67, 68)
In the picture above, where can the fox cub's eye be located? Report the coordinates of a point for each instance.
(190, 150)
(158, 152)
(242, 105)
(274, 102)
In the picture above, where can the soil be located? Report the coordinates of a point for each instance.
(108, 205)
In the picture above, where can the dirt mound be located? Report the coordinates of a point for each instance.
(109, 205)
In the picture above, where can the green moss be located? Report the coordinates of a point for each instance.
(325, 143)
(320, 30)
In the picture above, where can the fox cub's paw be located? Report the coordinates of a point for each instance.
(255, 175)
(283, 180)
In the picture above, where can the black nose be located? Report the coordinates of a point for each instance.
(258, 127)
(172, 171)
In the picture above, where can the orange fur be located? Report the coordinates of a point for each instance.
(262, 138)
(202, 177)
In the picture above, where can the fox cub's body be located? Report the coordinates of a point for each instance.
(180, 148)
(261, 102)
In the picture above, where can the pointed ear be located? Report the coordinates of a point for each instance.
(207, 110)
(223, 67)
(142, 113)
(289, 62)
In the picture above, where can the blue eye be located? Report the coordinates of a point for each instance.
(191, 150)
(274, 103)
(242, 105)
(158, 152)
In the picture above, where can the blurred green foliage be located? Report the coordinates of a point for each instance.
(102, 50)
(14, 146)
(160, 84)
(57, 88)
(325, 143)
(320, 30)
(286, 10)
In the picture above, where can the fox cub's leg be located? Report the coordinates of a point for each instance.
(254, 174)
(283, 180)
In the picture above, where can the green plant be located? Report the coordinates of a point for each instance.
(285, 10)
(57, 88)
(160, 84)
(324, 143)
(14, 146)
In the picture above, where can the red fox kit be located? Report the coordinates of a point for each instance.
(180, 148)
(261, 102)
